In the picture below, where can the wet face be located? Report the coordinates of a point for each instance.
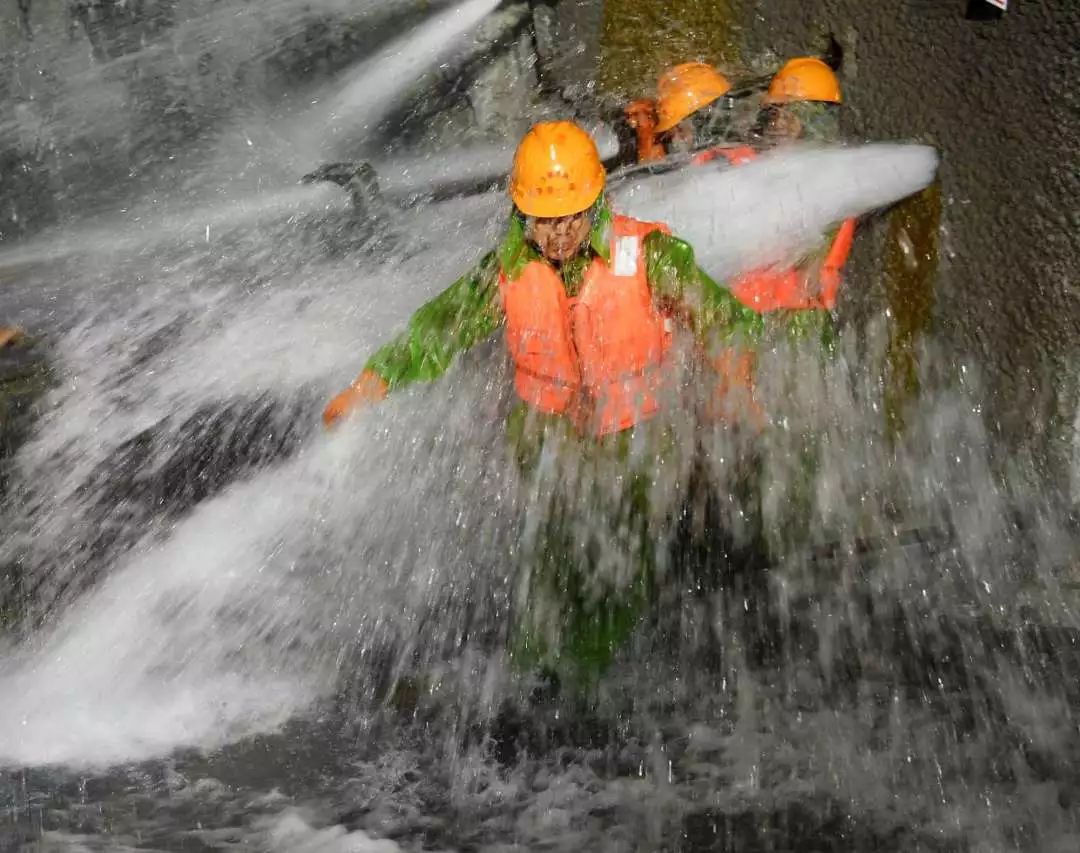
(560, 237)
(781, 125)
(680, 138)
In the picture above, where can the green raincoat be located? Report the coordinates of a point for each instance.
(468, 312)
(573, 614)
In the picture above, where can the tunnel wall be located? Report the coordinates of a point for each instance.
(1000, 101)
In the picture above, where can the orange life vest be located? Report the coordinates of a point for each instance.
(598, 357)
(735, 156)
(773, 288)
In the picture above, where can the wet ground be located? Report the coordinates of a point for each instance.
(907, 748)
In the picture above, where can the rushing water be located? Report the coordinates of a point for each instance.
(239, 632)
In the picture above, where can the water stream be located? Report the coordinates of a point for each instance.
(239, 632)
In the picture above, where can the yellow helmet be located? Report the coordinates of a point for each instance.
(685, 89)
(557, 171)
(804, 79)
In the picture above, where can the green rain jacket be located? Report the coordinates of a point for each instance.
(469, 311)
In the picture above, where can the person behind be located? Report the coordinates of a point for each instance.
(687, 111)
(802, 104)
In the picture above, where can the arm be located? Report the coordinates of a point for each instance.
(722, 325)
(638, 142)
(811, 284)
(833, 265)
(460, 317)
(822, 270)
(676, 280)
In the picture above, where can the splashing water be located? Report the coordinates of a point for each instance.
(794, 198)
(208, 567)
(473, 164)
(378, 84)
(251, 354)
(117, 643)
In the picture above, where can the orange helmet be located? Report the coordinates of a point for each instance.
(685, 89)
(804, 79)
(557, 171)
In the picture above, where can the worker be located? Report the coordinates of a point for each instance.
(676, 120)
(796, 300)
(686, 106)
(589, 300)
(798, 105)
(801, 104)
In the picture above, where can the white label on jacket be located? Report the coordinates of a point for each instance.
(626, 252)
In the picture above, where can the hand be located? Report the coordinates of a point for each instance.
(10, 335)
(369, 387)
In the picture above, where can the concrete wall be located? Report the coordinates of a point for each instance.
(1000, 100)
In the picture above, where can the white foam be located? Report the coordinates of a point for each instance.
(238, 619)
(291, 832)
